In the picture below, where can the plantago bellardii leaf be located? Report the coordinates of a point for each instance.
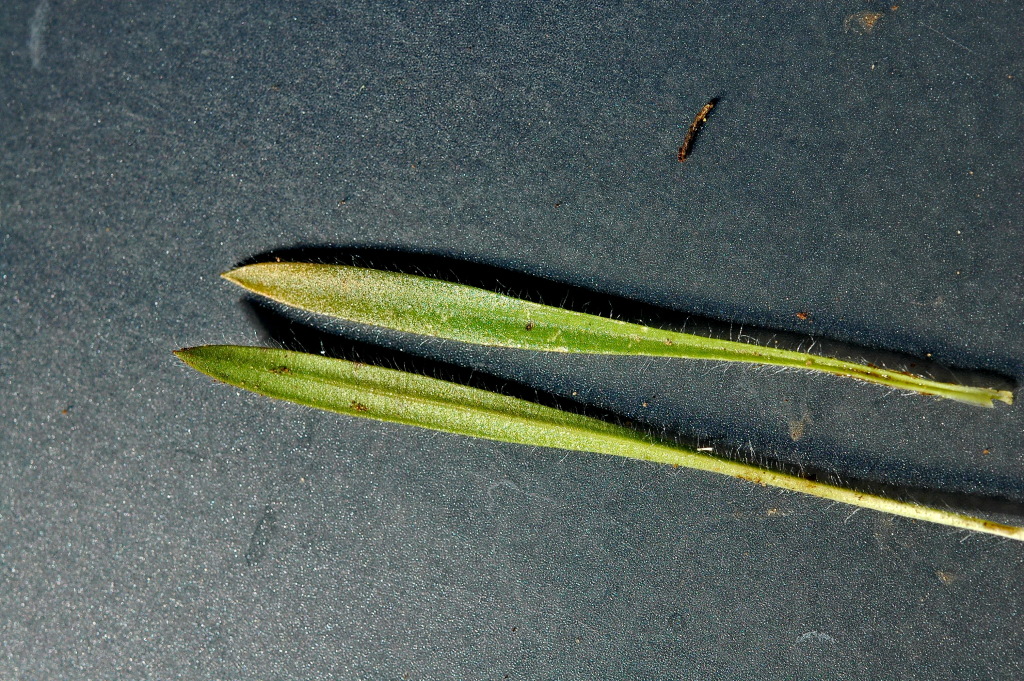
(443, 309)
(401, 397)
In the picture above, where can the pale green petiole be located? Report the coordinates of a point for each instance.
(443, 309)
(400, 397)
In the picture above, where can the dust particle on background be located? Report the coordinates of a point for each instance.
(861, 22)
(798, 427)
(36, 31)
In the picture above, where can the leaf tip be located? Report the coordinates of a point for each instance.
(258, 277)
(234, 276)
(186, 355)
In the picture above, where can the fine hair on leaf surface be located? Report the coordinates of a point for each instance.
(395, 396)
(442, 309)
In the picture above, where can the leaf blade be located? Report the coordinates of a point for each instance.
(410, 399)
(431, 307)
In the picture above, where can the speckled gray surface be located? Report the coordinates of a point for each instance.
(154, 524)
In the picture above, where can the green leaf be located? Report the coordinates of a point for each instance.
(438, 308)
(401, 397)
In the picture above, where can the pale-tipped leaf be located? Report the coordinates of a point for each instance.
(433, 307)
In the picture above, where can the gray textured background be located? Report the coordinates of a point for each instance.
(154, 524)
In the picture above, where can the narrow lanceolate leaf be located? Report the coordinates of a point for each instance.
(400, 397)
(438, 308)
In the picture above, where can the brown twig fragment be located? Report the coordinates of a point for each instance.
(691, 134)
